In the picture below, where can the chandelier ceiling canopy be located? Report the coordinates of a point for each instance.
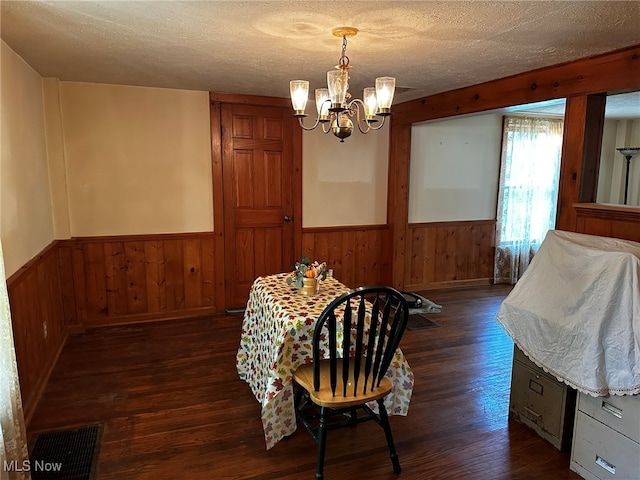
(334, 104)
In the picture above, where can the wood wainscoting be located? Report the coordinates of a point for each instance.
(96, 281)
(39, 330)
(125, 279)
(449, 254)
(608, 220)
(358, 255)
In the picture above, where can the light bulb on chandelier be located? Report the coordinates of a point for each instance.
(335, 108)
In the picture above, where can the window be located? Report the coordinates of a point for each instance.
(528, 191)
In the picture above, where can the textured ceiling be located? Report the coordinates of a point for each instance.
(257, 47)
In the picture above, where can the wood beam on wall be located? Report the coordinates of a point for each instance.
(398, 199)
(218, 213)
(612, 71)
(593, 129)
(584, 118)
(297, 184)
(249, 99)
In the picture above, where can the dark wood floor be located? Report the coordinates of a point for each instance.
(173, 407)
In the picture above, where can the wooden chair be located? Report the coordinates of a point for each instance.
(351, 373)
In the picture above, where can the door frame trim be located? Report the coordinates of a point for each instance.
(216, 101)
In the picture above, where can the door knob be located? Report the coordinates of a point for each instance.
(287, 218)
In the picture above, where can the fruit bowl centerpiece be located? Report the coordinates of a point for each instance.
(306, 274)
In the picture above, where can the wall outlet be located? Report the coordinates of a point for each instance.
(44, 329)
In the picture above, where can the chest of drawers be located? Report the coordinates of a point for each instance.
(606, 438)
(541, 402)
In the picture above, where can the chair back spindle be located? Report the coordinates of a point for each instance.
(371, 321)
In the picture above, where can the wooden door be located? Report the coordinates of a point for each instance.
(257, 172)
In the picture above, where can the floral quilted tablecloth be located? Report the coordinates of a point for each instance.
(276, 338)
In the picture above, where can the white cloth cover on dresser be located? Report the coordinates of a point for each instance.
(576, 312)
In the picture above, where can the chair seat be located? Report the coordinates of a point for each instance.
(324, 397)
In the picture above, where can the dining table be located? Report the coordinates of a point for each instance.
(276, 337)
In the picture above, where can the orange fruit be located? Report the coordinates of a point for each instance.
(310, 273)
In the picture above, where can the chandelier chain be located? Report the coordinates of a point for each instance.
(344, 60)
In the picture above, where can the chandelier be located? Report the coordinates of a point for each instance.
(334, 105)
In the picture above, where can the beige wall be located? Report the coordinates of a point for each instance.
(344, 183)
(454, 171)
(86, 159)
(138, 159)
(26, 221)
(619, 133)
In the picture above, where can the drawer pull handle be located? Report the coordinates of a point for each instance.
(613, 410)
(536, 387)
(535, 414)
(609, 467)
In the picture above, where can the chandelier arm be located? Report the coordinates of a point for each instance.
(354, 109)
(357, 103)
(379, 126)
(308, 128)
(328, 124)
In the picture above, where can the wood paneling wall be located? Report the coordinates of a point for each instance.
(102, 281)
(358, 255)
(39, 330)
(608, 221)
(575, 81)
(449, 254)
(108, 280)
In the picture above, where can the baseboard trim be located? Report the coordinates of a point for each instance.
(29, 408)
(474, 282)
(149, 317)
(76, 329)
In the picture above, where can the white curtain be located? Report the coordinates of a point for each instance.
(13, 438)
(528, 191)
